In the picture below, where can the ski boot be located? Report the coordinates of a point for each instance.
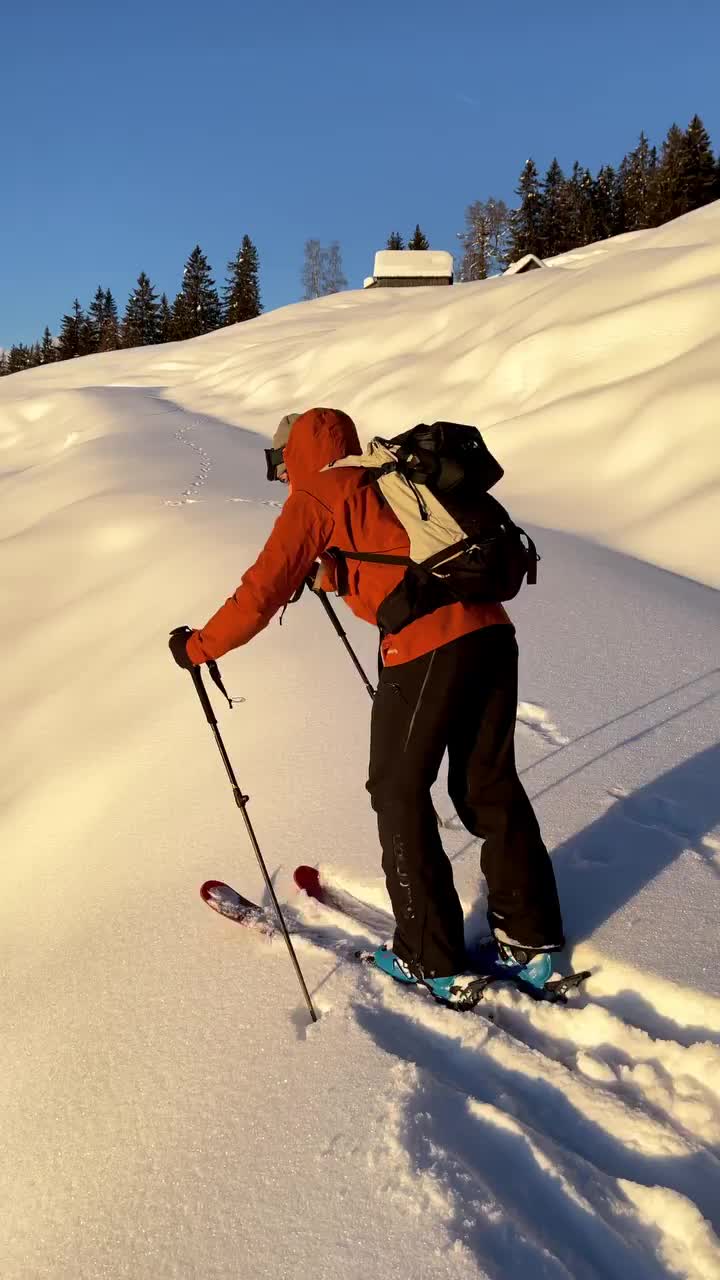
(531, 971)
(532, 967)
(457, 991)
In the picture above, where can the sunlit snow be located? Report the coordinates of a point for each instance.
(167, 1110)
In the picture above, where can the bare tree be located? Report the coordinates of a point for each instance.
(484, 239)
(333, 279)
(322, 271)
(312, 274)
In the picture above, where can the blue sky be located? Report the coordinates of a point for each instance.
(134, 131)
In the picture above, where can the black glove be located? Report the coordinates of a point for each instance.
(178, 647)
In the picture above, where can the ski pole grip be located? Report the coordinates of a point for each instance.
(202, 694)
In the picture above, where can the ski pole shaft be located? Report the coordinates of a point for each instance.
(322, 597)
(241, 802)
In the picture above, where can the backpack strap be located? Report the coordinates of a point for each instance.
(372, 557)
(533, 558)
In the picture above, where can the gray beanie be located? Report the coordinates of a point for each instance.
(282, 431)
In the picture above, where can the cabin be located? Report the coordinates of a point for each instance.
(410, 269)
(528, 263)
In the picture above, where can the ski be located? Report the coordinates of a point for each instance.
(228, 902)
(309, 881)
(331, 895)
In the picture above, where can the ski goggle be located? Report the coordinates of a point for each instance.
(275, 459)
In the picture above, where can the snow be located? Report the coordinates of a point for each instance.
(167, 1109)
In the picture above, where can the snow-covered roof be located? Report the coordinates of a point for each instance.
(528, 263)
(406, 263)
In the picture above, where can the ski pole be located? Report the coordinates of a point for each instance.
(242, 802)
(322, 597)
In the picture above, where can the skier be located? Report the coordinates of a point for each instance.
(448, 682)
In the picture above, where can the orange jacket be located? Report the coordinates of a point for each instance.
(331, 509)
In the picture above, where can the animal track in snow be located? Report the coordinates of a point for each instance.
(189, 496)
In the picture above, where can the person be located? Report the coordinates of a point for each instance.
(448, 682)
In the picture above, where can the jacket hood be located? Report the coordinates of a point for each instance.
(317, 438)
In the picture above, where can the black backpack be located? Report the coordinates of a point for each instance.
(449, 470)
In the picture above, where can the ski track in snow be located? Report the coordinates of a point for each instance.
(612, 1132)
(566, 1139)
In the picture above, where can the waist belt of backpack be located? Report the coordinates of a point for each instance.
(446, 554)
(440, 557)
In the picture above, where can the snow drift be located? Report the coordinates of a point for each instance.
(597, 382)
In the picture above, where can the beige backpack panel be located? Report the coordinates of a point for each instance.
(427, 537)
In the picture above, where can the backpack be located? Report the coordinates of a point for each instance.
(463, 545)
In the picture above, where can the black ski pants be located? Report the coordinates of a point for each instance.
(461, 698)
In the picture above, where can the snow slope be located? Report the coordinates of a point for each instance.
(166, 1109)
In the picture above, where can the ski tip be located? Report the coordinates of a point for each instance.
(207, 888)
(308, 880)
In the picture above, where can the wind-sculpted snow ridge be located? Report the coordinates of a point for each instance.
(596, 381)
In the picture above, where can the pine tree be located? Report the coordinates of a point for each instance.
(554, 220)
(637, 176)
(4, 364)
(110, 330)
(419, 239)
(19, 358)
(196, 309)
(95, 318)
(484, 240)
(526, 221)
(312, 273)
(671, 196)
(332, 277)
(87, 337)
(141, 326)
(603, 196)
(35, 359)
(395, 241)
(242, 290)
(165, 320)
(47, 348)
(697, 166)
(73, 337)
(582, 224)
